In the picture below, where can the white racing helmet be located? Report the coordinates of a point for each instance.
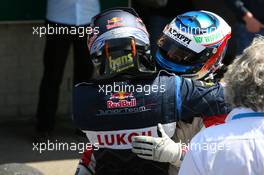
(193, 44)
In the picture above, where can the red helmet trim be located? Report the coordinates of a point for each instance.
(210, 64)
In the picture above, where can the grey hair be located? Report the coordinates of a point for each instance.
(245, 78)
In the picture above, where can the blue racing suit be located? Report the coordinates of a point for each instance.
(111, 113)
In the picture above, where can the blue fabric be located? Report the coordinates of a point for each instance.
(248, 115)
(182, 100)
(199, 99)
(91, 109)
(178, 99)
(72, 12)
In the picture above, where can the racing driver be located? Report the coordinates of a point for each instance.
(129, 97)
(174, 55)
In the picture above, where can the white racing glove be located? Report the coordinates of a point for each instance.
(161, 149)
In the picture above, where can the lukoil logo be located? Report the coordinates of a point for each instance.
(120, 138)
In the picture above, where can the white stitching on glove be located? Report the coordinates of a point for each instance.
(161, 149)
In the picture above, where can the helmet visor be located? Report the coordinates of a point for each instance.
(179, 54)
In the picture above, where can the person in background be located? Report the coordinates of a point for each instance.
(157, 13)
(236, 147)
(63, 16)
(251, 21)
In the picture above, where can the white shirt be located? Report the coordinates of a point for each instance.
(233, 148)
(72, 12)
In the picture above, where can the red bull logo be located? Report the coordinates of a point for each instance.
(121, 100)
(114, 22)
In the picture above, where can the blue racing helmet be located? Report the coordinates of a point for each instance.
(193, 44)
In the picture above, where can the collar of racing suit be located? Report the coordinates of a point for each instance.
(241, 112)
